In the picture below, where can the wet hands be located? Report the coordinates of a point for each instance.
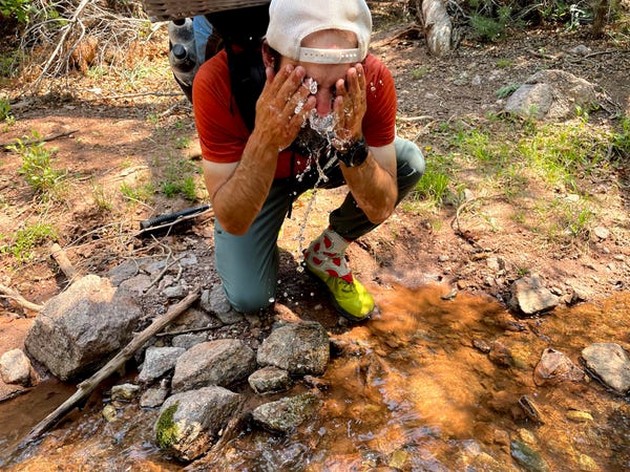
(349, 107)
(283, 106)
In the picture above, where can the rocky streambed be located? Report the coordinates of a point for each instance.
(435, 378)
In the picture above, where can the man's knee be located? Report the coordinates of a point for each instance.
(250, 299)
(410, 163)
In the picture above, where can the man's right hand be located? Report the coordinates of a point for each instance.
(282, 107)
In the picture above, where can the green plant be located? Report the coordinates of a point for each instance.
(101, 198)
(180, 180)
(504, 63)
(507, 90)
(419, 72)
(36, 167)
(5, 110)
(25, 239)
(182, 142)
(486, 29)
(141, 193)
(620, 140)
(19, 9)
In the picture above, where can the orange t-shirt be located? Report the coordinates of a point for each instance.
(223, 133)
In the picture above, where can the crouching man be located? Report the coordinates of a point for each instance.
(325, 117)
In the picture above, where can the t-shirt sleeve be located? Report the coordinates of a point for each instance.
(379, 122)
(222, 132)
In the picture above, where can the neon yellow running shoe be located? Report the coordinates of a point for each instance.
(325, 259)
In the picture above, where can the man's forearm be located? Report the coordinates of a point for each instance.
(239, 200)
(373, 187)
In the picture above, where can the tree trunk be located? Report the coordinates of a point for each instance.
(436, 24)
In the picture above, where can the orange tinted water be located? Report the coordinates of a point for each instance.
(410, 392)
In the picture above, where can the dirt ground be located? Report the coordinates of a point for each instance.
(133, 132)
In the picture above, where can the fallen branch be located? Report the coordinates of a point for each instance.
(11, 294)
(86, 387)
(411, 119)
(28, 142)
(61, 258)
(397, 34)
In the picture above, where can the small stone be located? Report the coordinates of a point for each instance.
(579, 416)
(124, 392)
(601, 232)
(501, 437)
(580, 50)
(176, 291)
(444, 258)
(481, 345)
(154, 397)
(109, 413)
(15, 367)
(587, 464)
(398, 459)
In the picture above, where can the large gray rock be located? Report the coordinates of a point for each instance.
(300, 349)
(551, 94)
(222, 362)
(15, 367)
(530, 297)
(288, 413)
(609, 363)
(79, 329)
(190, 422)
(158, 361)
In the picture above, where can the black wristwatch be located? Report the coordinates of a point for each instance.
(355, 154)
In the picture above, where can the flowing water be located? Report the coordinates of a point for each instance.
(410, 390)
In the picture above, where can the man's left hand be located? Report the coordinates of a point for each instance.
(349, 107)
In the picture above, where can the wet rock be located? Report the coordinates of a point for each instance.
(158, 361)
(215, 301)
(188, 340)
(551, 94)
(608, 363)
(481, 345)
(288, 413)
(554, 366)
(579, 416)
(122, 272)
(300, 348)
(587, 464)
(124, 392)
(80, 328)
(155, 396)
(500, 355)
(269, 379)
(110, 413)
(527, 457)
(531, 409)
(530, 297)
(15, 367)
(190, 422)
(222, 362)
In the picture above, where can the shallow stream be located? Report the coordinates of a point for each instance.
(411, 390)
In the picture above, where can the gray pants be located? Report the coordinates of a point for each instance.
(248, 264)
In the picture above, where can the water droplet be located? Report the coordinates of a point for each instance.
(272, 299)
(285, 294)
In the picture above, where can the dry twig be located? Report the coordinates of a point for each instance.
(6, 292)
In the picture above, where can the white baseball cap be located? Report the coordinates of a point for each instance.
(290, 21)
